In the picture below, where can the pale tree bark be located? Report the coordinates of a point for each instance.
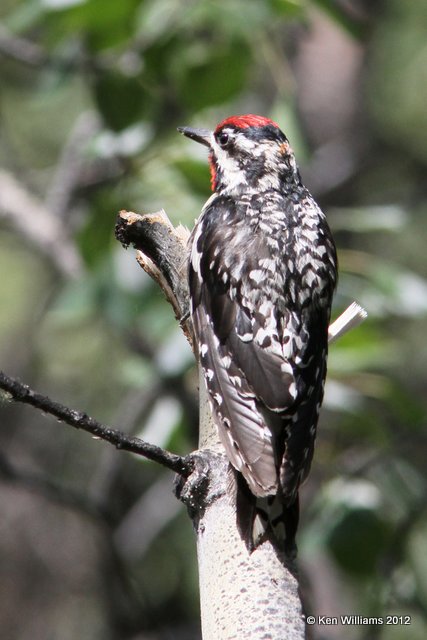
(243, 595)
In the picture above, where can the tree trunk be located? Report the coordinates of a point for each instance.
(242, 595)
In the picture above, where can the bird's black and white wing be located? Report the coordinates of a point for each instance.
(249, 349)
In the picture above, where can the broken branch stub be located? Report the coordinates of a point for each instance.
(162, 253)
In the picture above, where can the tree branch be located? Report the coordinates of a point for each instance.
(38, 226)
(23, 393)
(21, 49)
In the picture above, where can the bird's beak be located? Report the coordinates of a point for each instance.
(199, 135)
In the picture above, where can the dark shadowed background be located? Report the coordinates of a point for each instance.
(93, 545)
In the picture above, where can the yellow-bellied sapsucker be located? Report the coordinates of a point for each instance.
(262, 273)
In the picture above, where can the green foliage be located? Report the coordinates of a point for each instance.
(364, 533)
(102, 25)
(120, 99)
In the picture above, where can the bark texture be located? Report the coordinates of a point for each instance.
(242, 595)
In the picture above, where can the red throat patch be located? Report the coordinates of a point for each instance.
(249, 120)
(212, 169)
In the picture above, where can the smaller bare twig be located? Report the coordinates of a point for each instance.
(79, 420)
(70, 167)
(38, 226)
(21, 49)
(349, 319)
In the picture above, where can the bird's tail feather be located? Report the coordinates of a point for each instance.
(269, 518)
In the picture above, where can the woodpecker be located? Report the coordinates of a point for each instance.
(262, 272)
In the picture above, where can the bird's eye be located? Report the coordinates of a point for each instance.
(223, 139)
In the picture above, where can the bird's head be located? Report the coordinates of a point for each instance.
(247, 153)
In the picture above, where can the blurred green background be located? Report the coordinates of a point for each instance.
(92, 542)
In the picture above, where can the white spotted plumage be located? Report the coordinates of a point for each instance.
(262, 271)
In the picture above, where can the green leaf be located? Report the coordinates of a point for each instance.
(357, 541)
(102, 24)
(215, 75)
(288, 8)
(121, 99)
